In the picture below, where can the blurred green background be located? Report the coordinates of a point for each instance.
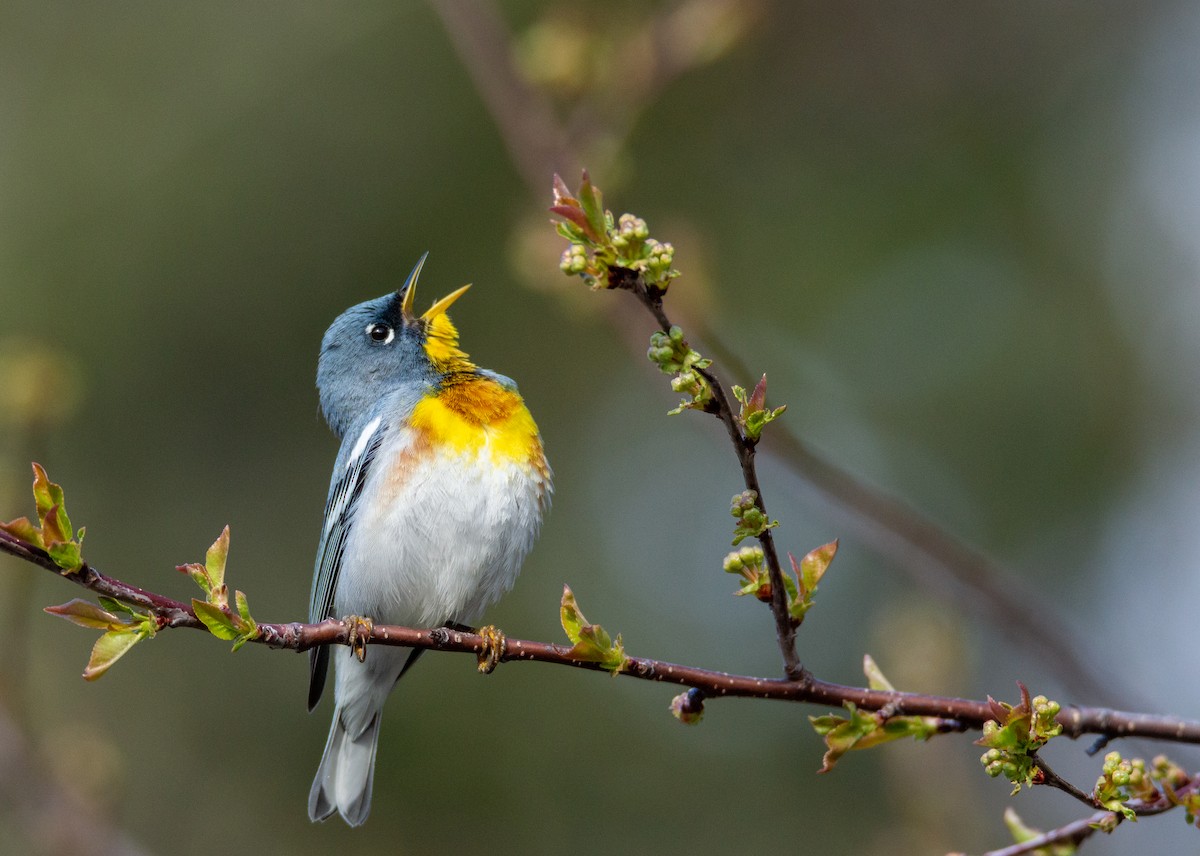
(963, 240)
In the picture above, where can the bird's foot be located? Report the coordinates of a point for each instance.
(360, 634)
(494, 644)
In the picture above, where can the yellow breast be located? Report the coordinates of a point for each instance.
(476, 414)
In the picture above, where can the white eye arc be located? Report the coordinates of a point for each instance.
(380, 333)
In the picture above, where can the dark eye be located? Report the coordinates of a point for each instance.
(381, 333)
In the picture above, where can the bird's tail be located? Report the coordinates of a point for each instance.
(347, 771)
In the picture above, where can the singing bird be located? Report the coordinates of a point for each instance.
(437, 495)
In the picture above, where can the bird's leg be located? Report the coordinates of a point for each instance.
(494, 644)
(360, 634)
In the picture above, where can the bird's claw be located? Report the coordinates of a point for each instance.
(494, 645)
(360, 634)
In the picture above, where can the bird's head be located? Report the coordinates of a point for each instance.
(381, 346)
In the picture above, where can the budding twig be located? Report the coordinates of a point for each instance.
(966, 714)
(785, 628)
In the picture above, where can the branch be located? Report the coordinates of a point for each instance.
(1074, 833)
(1077, 831)
(785, 627)
(1054, 780)
(959, 714)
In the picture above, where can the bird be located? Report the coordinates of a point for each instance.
(437, 495)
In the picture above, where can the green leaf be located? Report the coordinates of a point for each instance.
(56, 535)
(46, 494)
(199, 576)
(247, 625)
(243, 608)
(23, 529)
(813, 567)
(865, 730)
(565, 230)
(875, 678)
(214, 559)
(572, 619)
(53, 529)
(593, 208)
(66, 555)
(592, 642)
(111, 647)
(574, 225)
(87, 614)
(841, 733)
(115, 606)
(219, 624)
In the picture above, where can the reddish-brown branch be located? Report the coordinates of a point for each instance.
(967, 714)
(1077, 831)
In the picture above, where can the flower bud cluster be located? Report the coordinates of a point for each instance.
(996, 762)
(574, 260)
(672, 354)
(745, 559)
(659, 259)
(1045, 718)
(630, 231)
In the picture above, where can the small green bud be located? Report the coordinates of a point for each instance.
(574, 260)
(733, 563)
(752, 555)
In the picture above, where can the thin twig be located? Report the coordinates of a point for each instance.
(785, 628)
(967, 713)
(1077, 831)
(1052, 779)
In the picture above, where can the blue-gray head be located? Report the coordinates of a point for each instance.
(380, 346)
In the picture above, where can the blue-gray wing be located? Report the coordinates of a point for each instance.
(345, 489)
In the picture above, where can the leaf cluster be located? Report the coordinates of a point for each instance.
(865, 729)
(53, 533)
(124, 627)
(674, 356)
(754, 415)
(233, 626)
(602, 248)
(1015, 734)
(750, 563)
(591, 642)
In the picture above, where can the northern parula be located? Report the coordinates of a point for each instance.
(437, 495)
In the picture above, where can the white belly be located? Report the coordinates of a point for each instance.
(441, 541)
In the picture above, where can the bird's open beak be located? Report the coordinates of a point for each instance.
(409, 289)
(444, 304)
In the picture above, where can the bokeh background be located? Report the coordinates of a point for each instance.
(963, 240)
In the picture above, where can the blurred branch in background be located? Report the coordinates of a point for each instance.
(685, 35)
